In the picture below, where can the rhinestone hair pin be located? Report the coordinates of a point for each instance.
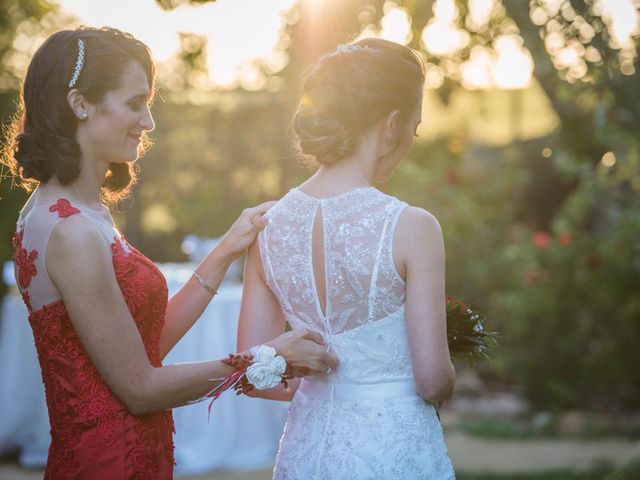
(79, 63)
(349, 48)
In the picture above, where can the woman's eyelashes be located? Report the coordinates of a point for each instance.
(138, 102)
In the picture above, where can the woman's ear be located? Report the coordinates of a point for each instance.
(391, 124)
(78, 104)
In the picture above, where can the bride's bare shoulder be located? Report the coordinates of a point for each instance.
(416, 220)
(417, 229)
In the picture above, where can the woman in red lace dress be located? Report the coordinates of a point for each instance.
(98, 308)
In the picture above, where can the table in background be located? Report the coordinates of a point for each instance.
(242, 432)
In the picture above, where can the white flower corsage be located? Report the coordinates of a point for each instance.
(267, 368)
(260, 370)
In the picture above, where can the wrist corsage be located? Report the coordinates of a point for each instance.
(260, 370)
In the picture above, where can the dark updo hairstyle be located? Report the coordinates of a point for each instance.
(348, 91)
(40, 143)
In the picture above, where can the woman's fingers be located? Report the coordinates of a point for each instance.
(258, 211)
(313, 336)
(260, 223)
(330, 359)
(245, 229)
(319, 359)
(306, 351)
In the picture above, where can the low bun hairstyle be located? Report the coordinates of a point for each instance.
(40, 143)
(348, 91)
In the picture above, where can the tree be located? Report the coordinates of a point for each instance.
(23, 26)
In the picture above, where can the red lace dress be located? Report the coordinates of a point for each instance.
(93, 436)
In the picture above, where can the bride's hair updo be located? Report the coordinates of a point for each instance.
(40, 143)
(348, 91)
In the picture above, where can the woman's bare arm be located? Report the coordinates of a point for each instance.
(419, 253)
(79, 263)
(188, 303)
(260, 318)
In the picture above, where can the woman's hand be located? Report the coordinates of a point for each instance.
(244, 231)
(305, 351)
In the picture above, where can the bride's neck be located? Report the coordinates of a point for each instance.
(341, 176)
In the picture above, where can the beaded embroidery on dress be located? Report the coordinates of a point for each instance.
(364, 420)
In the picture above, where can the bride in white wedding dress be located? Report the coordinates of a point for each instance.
(363, 268)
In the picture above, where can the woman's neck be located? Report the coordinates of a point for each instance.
(85, 189)
(339, 177)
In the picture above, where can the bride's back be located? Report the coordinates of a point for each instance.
(329, 261)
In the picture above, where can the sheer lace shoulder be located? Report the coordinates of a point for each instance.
(30, 241)
(362, 284)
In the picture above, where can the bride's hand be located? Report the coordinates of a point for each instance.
(305, 351)
(244, 231)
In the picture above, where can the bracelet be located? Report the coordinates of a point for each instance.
(201, 281)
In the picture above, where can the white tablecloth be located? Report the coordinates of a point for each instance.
(242, 433)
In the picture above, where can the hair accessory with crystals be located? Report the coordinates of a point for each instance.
(79, 63)
(350, 47)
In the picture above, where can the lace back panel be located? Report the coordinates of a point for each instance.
(362, 284)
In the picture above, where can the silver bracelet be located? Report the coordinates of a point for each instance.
(201, 281)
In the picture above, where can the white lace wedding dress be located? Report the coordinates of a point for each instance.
(364, 420)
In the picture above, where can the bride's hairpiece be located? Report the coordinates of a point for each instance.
(79, 63)
(349, 48)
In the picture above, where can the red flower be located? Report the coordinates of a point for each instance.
(64, 208)
(541, 239)
(451, 174)
(532, 277)
(26, 298)
(565, 239)
(453, 302)
(594, 260)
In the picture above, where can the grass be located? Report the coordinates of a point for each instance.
(628, 472)
(541, 426)
(560, 475)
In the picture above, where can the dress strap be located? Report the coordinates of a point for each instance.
(376, 266)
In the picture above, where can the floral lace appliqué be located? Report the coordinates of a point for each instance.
(91, 428)
(390, 435)
(64, 208)
(24, 261)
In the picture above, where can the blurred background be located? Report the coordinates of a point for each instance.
(529, 156)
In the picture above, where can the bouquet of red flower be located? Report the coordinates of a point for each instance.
(465, 333)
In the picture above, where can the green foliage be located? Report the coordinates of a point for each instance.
(558, 279)
(600, 474)
(17, 18)
(564, 300)
(574, 320)
(210, 161)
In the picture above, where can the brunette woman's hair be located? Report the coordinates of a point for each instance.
(40, 142)
(348, 91)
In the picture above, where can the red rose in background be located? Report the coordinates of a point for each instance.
(565, 239)
(541, 239)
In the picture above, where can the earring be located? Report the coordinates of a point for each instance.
(84, 116)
